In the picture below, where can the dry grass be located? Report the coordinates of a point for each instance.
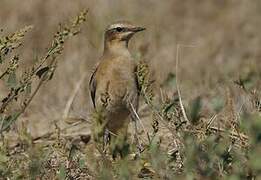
(218, 91)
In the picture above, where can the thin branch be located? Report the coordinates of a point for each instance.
(3, 74)
(73, 95)
(211, 121)
(32, 96)
(49, 134)
(155, 111)
(232, 134)
(177, 83)
(138, 118)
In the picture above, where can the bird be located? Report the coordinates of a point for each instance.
(113, 85)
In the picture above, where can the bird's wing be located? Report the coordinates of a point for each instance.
(92, 86)
(137, 80)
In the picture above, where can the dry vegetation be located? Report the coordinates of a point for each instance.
(200, 73)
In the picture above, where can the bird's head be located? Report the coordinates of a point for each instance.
(121, 32)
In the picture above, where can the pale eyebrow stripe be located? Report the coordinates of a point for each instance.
(116, 25)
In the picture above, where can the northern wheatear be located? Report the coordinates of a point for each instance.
(113, 85)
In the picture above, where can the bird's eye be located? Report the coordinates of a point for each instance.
(119, 29)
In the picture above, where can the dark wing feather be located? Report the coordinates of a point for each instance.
(138, 87)
(137, 80)
(92, 87)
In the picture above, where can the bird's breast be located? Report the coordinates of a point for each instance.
(116, 81)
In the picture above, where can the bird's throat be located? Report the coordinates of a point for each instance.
(116, 47)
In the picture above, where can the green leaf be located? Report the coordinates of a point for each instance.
(73, 151)
(42, 71)
(11, 81)
(255, 159)
(170, 105)
(171, 80)
(62, 172)
(196, 105)
(28, 89)
(3, 158)
(51, 75)
(7, 122)
(81, 163)
(217, 104)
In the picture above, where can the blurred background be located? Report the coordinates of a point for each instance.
(219, 43)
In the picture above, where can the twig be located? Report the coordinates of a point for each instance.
(232, 134)
(211, 121)
(47, 135)
(73, 95)
(104, 157)
(33, 94)
(161, 95)
(53, 132)
(135, 127)
(138, 118)
(3, 74)
(177, 83)
(155, 111)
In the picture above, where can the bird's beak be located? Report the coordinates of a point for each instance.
(137, 29)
